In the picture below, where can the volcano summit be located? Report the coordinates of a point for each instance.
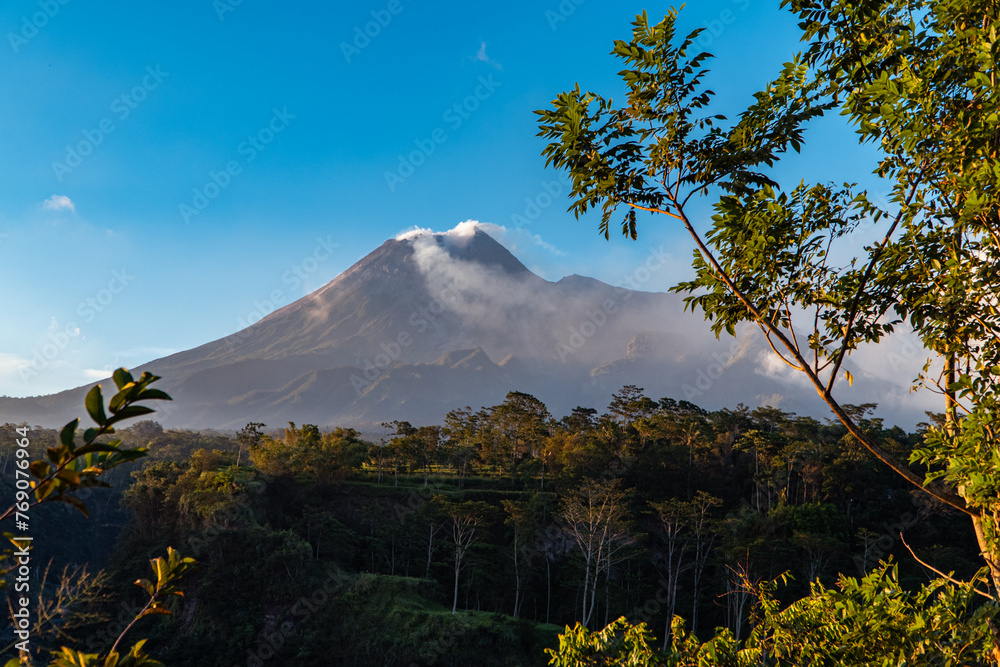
(428, 323)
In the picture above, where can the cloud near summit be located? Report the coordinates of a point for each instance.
(513, 239)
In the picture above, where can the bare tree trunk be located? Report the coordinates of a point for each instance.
(458, 568)
(548, 584)
(517, 577)
(607, 600)
(430, 551)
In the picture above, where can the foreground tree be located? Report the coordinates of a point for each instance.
(71, 466)
(917, 79)
(871, 621)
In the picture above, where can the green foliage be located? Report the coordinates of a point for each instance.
(918, 80)
(874, 621)
(620, 643)
(323, 457)
(136, 657)
(71, 467)
(871, 622)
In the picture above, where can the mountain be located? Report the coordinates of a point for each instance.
(434, 322)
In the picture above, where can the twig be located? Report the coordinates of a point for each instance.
(940, 573)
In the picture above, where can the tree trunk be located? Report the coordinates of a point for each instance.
(458, 568)
(517, 578)
(548, 586)
(430, 551)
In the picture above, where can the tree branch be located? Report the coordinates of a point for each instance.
(853, 312)
(944, 495)
(939, 572)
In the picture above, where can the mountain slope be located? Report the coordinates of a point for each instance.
(431, 323)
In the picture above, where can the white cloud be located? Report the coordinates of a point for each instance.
(59, 203)
(413, 233)
(483, 58)
(772, 400)
(96, 374)
(11, 364)
(513, 239)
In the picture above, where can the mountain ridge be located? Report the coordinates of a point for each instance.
(427, 323)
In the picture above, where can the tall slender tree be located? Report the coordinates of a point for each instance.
(597, 518)
(917, 79)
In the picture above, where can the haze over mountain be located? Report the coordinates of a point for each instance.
(429, 322)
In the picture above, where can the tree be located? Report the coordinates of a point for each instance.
(248, 437)
(621, 643)
(703, 537)
(417, 445)
(521, 518)
(673, 517)
(461, 428)
(860, 622)
(629, 405)
(518, 427)
(304, 450)
(597, 519)
(465, 520)
(917, 80)
(71, 467)
(432, 514)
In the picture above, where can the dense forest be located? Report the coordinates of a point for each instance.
(478, 540)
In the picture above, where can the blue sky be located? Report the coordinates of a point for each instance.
(169, 172)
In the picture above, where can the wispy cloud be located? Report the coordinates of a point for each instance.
(483, 58)
(11, 364)
(59, 203)
(513, 239)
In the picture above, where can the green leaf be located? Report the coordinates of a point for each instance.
(130, 411)
(122, 377)
(74, 501)
(96, 447)
(66, 436)
(95, 405)
(154, 395)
